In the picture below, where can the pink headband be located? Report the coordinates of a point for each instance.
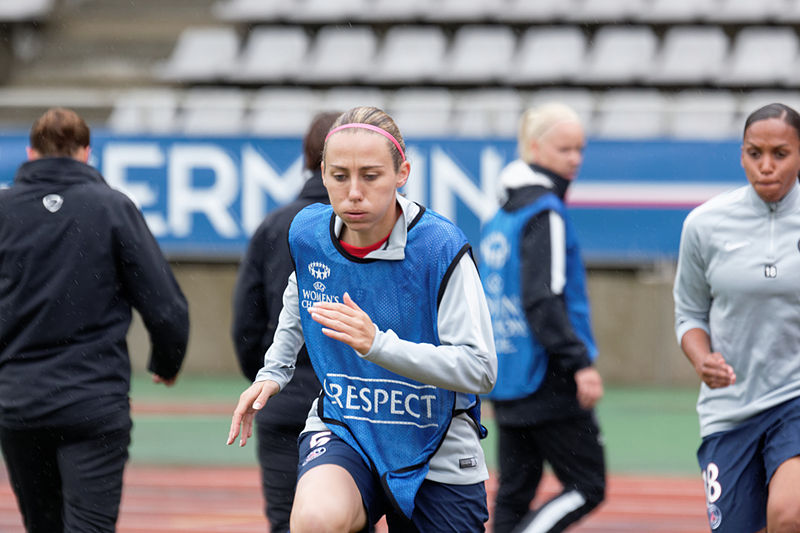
(370, 127)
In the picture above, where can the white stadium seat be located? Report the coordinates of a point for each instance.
(395, 12)
(326, 11)
(272, 54)
(620, 54)
(340, 54)
(279, 111)
(605, 11)
(422, 112)
(524, 11)
(252, 11)
(213, 111)
(690, 55)
(582, 101)
(26, 11)
(761, 55)
(745, 11)
(676, 11)
(703, 115)
(548, 54)
(631, 114)
(344, 98)
(487, 113)
(409, 55)
(144, 111)
(752, 100)
(447, 11)
(479, 54)
(201, 54)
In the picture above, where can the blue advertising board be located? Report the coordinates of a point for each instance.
(203, 197)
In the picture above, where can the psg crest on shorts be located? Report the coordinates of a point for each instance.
(714, 516)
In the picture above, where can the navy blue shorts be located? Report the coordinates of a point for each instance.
(438, 507)
(737, 466)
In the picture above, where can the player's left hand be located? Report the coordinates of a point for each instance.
(167, 382)
(345, 322)
(590, 386)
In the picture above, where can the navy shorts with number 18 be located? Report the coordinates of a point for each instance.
(438, 507)
(737, 466)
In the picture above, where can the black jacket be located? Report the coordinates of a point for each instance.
(258, 300)
(75, 255)
(547, 317)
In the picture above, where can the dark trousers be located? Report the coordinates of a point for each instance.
(277, 455)
(69, 479)
(573, 449)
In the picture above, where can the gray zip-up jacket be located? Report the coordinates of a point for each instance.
(738, 279)
(464, 362)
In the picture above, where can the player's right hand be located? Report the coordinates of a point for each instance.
(715, 372)
(252, 400)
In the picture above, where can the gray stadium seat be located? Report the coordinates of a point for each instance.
(690, 55)
(213, 111)
(761, 55)
(487, 112)
(479, 54)
(260, 60)
(703, 115)
(422, 111)
(141, 111)
(620, 54)
(340, 54)
(201, 54)
(279, 111)
(548, 54)
(631, 114)
(409, 55)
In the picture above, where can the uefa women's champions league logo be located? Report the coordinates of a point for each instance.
(319, 271)
(495, 250)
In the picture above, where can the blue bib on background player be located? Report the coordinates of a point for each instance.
(394, 422)
(521, 359)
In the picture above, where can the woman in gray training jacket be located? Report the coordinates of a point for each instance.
(737, 318)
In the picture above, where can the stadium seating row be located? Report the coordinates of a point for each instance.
(621, 113)
(509, 11)
(688, 55)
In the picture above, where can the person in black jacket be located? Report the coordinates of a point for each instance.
(75, 256)
(258, 300)
(547, 385)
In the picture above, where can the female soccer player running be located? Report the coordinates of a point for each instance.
(387, 299)
(737, 318)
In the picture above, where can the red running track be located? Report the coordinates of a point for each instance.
(228, 500)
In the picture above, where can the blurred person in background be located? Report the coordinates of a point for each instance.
(257, 302)
(737, 319)
(76, 256)
(386, 297)
(547, 385)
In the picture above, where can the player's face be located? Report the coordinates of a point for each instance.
(358, 172)
(771, 158)
(561, 149)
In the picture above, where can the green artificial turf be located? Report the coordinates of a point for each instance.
(646, 430)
